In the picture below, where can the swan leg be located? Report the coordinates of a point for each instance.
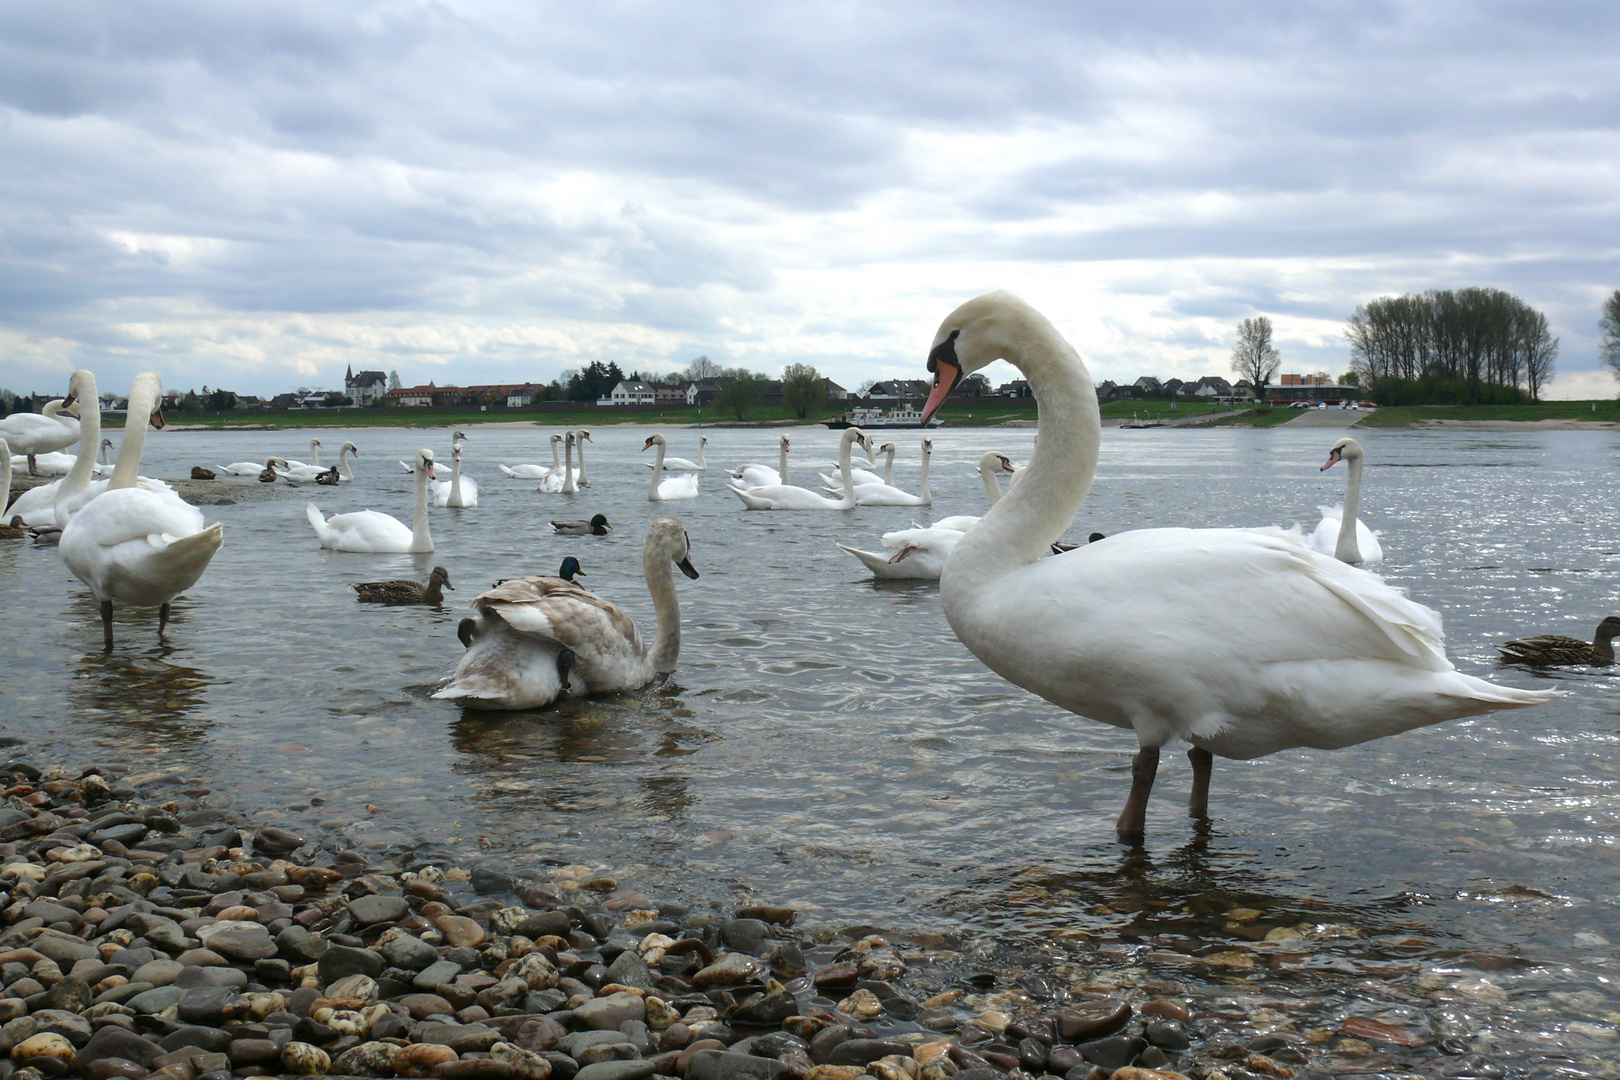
(565, 661)
(33, 466)
(163, 620)
(1202, 762)
(106, 623)
(1132, 824)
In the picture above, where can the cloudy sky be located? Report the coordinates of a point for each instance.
(256, 194)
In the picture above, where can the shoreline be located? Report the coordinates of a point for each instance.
(151, 921)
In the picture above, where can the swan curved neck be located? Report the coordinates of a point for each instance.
(782, 456)
(923, 489)
(343, 463)
(888, 468)
(580, 439)
(1346, 549)
(1021, 527)
(568, 469)
(314, 451)
(455, 480)
(421, 540)
(556, 455)
(666, 608)
(84, 463)
(844, 471)
(992, 490)
(657, 475)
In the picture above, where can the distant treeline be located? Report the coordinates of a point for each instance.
(1446, 346)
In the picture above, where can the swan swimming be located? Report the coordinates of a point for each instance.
(918, 553)
(533, 638)
(458, 491)
(763, 475)
(789, 497)
(1241, 642)
(680, 464)
(370, 531)
(1334, 535)
(667, 489)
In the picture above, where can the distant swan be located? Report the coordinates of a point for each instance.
(1334, 534)
(458, 491)
(885, 494)
(132, 545)
(537, 472)
(314, 457)
(668, 489)
(533, 638)
(370, 531)
(32, 434)
(680, 464)
(309, 474)
(788, 497)
(1243, 642)
(918, 553)
(764, 475)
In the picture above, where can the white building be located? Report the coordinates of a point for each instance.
(630, 392)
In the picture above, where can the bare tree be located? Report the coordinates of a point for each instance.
(1609, 347)
(702, 368)
(1253, 357)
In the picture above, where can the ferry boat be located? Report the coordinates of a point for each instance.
(904, 416)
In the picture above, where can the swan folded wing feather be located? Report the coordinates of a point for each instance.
(138, 513)
(605, 639)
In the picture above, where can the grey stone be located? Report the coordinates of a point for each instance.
(412, 954)
(70, 994)
(341, 960)
(155, 1000)
(607, 1013)
(51, 912)
(440, 971)
(114, 1042)
(616, 1070)
(865, 1051)
(238, 940)
(229, 978)
(158, 972)
(1168, 1034)
(489, 879)
(208, 1005)
(628, 969)
(210, 1039)
(726, 1065)
(125, 834)
(1114, 1052)
(580, 1041)
(65, 951)
(745, 935)
(370, 910)
(462, 1038)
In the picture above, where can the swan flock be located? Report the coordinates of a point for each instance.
(1239, 642)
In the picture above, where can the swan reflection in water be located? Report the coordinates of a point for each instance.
(143, 695)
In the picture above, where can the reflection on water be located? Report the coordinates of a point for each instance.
(827, 742)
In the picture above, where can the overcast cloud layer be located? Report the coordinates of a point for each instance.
(255, 195)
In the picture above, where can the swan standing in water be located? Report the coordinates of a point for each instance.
(533, 638)
(32, 434)
(459, 490)
(667, 489)
(1340, 533)
(680, 464)
(132, 545)
(753, 476)
(788, 497)
(918, 553)
(1242, 642)
(370, 531)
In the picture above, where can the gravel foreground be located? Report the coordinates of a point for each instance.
(150, 933)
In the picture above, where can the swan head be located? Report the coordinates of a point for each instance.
(599, 523)
(585, 436)
(315, 442)
(997, 464)
(351, 448)
(424, 463)
(570, 569)
(654, 440)
(857, 436)
(146, 392)
(703, 440)
(81, 387)
(441, 577)
(107, 443)
(457, 436)
(927, 446)
(785, 444)
(983, 330)
(888, 448)
(556, 438)
(667, 539)
(1345, 450)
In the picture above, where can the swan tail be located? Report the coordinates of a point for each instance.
(507, 471)
(184, 557)
(1495, 696)
(875, 561)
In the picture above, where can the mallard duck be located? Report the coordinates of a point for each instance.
(567, 572)
(597, 526)
(330, 478)
(200, 473)
(406, 592)
(1556, 650)
(533, 638)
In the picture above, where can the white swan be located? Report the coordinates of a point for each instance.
(57, 463)
(458, 491)
(1334, 534)
(132, 545)
(865, 476)
(538, 472)
(368, 530)
(533, 638)
(309, 474)
(581, 437)
(570, 475)
(32, 434)
(753, 476)
(455, 437)
(919, 553)
(1242, 642)
(788, 497)
(881, 494)
(314, 457)
(252, 468)
(7, 529)
(680, 464)
(667, 489)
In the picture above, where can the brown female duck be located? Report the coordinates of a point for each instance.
(406, 592)
(1556, 650)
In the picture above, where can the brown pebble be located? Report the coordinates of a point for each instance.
(420, 1059)
(702, 1044)
(780, 916)
(460, 930)
(1165, 1009)
(675, 1037)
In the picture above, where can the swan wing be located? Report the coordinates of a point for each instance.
(785, 497)
(363, 530)
(609, 654)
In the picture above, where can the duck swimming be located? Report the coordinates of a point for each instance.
(405, 591)
(597, 526)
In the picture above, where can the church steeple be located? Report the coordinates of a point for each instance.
(348, 375)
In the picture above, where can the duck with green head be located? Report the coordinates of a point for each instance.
(597, 526)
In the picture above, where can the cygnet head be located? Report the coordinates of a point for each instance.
(424, 463)
(1344, 449)
(666, 538)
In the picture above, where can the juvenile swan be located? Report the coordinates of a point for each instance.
(533, 638)
(1242, 642)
